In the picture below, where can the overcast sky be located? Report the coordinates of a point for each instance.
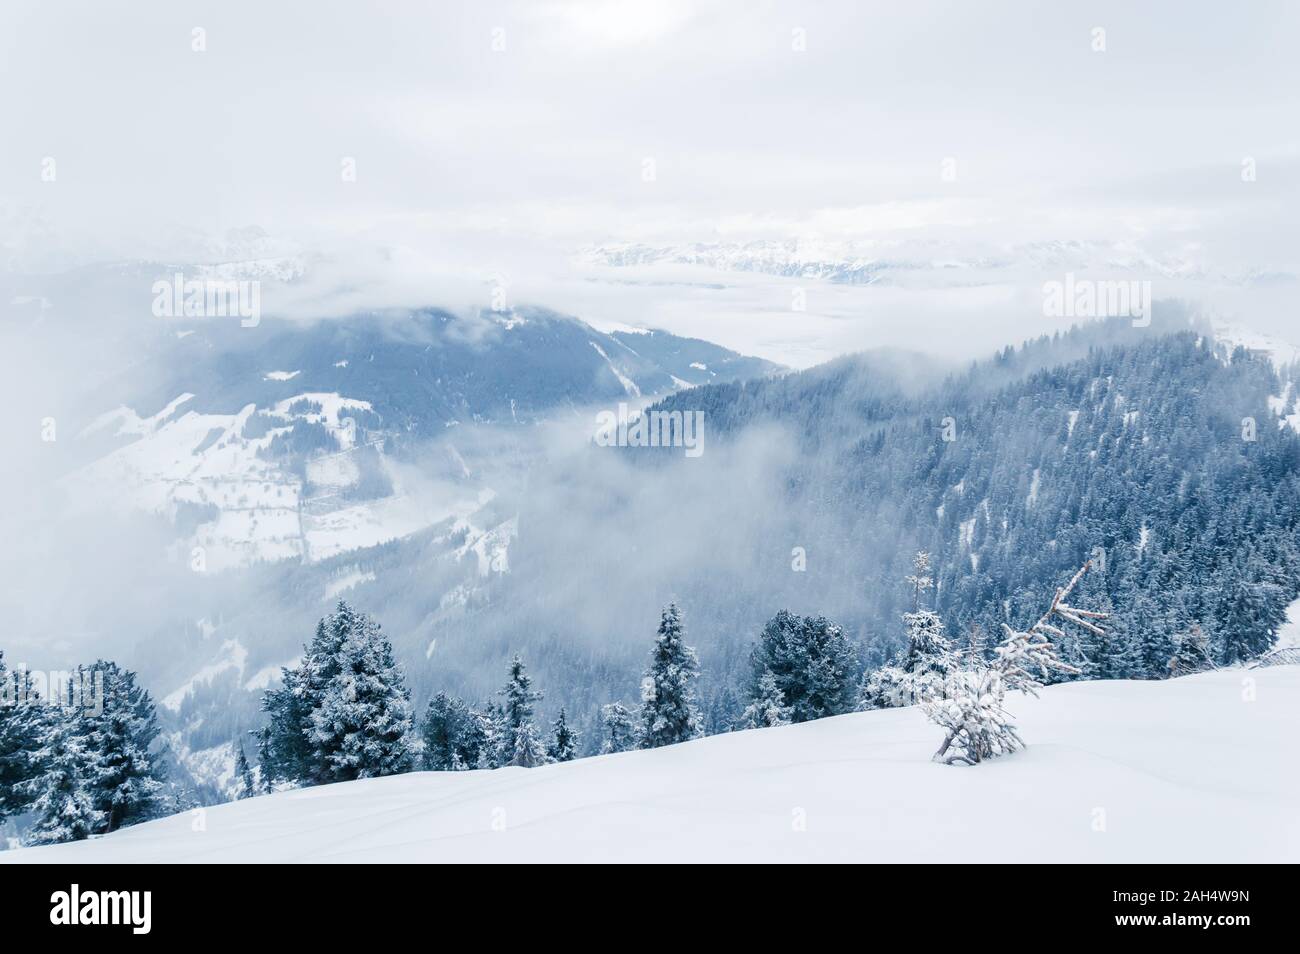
(503, 136)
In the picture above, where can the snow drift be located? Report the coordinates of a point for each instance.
(1196, 769)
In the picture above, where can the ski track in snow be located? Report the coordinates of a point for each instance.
(1181, 771)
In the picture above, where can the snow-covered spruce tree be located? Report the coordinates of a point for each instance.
(362, 727)
(283, 748)
(62, 803)
(448, 729)
(970, 709)
(811, 661)
(21, 726)
(245, 786)
(1146, 626)
(768, 708)
(125, 779)
(723, 711)
(619, 729)
(320, 666)
(1248, 614)
(493, 749)
(528, 751)
(927, 646)
(521, 744)
(286, 749)
(927, 658)
(668, 713)
(564, 743)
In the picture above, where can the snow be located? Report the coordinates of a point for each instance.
(233, 656)
(1282, 353)
(510, 319)
(164, 469)
(341, 584)
(131, 424)
(258, 511)
(332, 405)
(967, 531)
(491, 547)
(628, 384)
(1287, 407)
(378, 521)
(267, 676)
(1288, 634)
(215, 765)
(281, 375)
(1185, 770)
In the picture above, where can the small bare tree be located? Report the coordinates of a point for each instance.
(971, 710)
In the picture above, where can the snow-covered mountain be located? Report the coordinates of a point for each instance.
(278, 442)
(1187, 770)
(895, 261)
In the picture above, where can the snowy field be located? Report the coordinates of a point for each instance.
(1197, 769)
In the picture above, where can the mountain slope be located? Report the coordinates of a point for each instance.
(1161, 455)
(421, 371)
(284, 440)
(1184, 770)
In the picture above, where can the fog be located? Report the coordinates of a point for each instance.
(414, 155)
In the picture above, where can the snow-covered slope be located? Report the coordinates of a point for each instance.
(1195, 769)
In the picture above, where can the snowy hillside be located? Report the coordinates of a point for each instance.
(1193, 769)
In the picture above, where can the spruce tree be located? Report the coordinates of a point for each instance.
(523, 748)
(811, 661)
(321, 661)
(519, 696)
(768, 707)
(448, 730)
(493, 750)
(245, 786)
(564, 745)
(528, 751)
(283, 747)
(1248, 615)
(62, 803)
(928, 648)
(362, 727)
(287, 750)
(668, 713)
(619, 729)
(118, 733)
(21, 726)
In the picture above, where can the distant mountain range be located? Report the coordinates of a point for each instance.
(864, 263)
